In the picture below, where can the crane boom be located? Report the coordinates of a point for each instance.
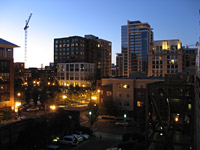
(27, 21)
(25, 29)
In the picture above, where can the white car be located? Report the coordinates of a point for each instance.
(85, 136)
(31, 109)
(80, 138)
(69, 140)
(122, 123)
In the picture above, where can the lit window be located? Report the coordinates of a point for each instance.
(179, 45)
(125, 86)
(138, 104)
(164, 45)
(189, 106)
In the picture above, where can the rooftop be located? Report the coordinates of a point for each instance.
(5, 43)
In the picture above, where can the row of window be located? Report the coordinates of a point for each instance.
(76, 67)
(69, 53)
(68, 40)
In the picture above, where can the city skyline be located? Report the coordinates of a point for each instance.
(57, 19)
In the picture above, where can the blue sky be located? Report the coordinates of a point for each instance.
(171, 19)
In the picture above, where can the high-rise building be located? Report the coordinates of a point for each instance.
(6, 74)
(169, 57)
(104, 62)
(197, 102)
(165, 57)
(81, 50)
(135, 43)
(120, 64)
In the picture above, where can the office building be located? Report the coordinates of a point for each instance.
(104, 54)
(6, 74)
(129, 94)
(19, 70)
(135, 43)
(81, 74)
(197, 102)
(120, 64)
(165, 57)
(169, 57)
(87, 50)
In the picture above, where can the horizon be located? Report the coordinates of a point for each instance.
(55, 19)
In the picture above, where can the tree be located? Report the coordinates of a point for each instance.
(94, 109)
(35, 95)
(43, 96)
(27, 94)
(109, 107)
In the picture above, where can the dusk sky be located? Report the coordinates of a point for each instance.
(170, 19)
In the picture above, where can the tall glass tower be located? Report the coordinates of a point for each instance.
(135, 42)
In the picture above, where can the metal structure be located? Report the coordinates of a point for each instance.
(169, 113)
(26, 30)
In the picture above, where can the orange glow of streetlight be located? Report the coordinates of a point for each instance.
(94, 98)
(64, 96)
(53, 107)
(18, 94)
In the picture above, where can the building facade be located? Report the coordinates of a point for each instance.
(197, 102)
(104, 54)
(169, 57)
(81, 74)
(89, 49)
(170, 113)
(19, 70)
(6, 74)
(128, 94)
(135, 43)
(165, 57)
(120, 64)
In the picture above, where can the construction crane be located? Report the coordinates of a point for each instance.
(26, 30)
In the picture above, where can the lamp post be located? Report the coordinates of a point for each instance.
(90, 114)
(124, 123)
(65, 97)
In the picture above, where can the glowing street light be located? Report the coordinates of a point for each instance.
(52, 107)
(94, 98)
(125, 123)
(17, 105)
(64, 96)
(18, 94)
(90, 114)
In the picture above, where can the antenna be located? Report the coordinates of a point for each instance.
(26, 32)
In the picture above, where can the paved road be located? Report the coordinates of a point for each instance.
(100, 141)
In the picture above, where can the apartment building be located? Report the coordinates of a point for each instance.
(6, 74)
(135, 44)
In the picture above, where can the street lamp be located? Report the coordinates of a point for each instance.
(64, 97)
(124, 123)
(17, 105)
(90, 114)
(18, 94)
(53, 107)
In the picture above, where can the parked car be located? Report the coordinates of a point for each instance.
(32, 109)
(122, 123)
(53, 147)
(69, 140)
(80, 138)
(85, 136)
